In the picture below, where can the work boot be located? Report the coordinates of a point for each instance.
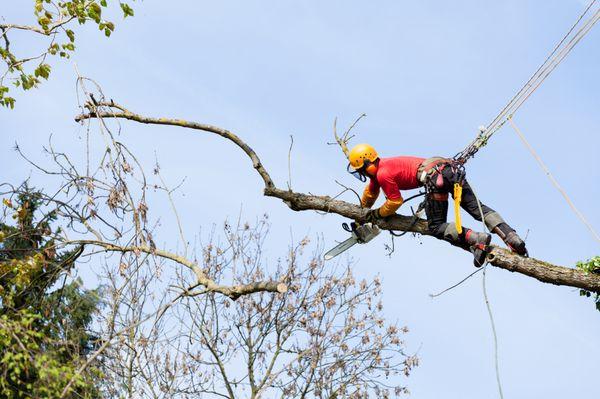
(478, 243)
(511, 238)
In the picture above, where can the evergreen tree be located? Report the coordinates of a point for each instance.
(45, 319)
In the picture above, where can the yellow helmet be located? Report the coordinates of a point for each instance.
(361, 152)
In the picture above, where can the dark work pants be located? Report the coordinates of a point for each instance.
(436, 206)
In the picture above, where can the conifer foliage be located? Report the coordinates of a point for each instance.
(45, 316)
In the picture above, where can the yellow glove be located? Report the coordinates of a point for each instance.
(390, 207)
(368, 198)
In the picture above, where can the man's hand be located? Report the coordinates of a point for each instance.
(373, 216)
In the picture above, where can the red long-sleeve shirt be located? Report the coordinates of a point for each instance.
(393, 174)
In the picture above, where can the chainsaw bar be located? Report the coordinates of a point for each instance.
(360, 234)
(341, 247)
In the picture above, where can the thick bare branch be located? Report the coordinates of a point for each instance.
(234, 291)
(499, 257)
(101, 112)
(540, 270)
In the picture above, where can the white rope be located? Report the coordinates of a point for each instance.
(487, 303)
(489, 309)
(561, 50)
(554, 181)
(539, 72)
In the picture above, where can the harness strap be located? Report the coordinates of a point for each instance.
(437, 164)
(429, 165)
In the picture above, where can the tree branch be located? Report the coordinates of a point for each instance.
(105, 110)
(234, 291)
(499, 257)
(36, 29)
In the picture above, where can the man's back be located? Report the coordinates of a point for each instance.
(398, 173)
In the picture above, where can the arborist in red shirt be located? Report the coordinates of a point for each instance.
(438, 176)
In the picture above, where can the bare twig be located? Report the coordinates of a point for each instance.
(455, 285)
(289, 184)
(343, 141)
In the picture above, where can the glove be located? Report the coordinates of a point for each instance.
(373, 216)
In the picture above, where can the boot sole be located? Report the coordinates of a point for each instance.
(520, 250)
(479, 253)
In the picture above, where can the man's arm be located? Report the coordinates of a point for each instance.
(394, 199)
(370, 194)
(390, 207)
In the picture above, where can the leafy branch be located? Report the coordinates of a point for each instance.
(54, 20)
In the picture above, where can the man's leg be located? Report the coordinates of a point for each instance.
(493, 220)
(436, 209)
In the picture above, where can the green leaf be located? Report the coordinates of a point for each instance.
(127, 10)
(43, 70)
(71, 35)
(8, 102)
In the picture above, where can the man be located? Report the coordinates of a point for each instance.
(439, 176)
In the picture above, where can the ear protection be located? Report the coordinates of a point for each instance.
(371, 169)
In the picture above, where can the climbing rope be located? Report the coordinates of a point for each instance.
(553, 180)
(487, 304)
(562, 49)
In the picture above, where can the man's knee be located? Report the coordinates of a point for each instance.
(451, 234)
(436, 229)
(493, 219)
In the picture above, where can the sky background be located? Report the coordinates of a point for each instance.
(427, 74)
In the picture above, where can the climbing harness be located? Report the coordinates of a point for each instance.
(433, 167)
(430, 175)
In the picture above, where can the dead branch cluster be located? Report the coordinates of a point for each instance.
(178, 323)
(326, 337)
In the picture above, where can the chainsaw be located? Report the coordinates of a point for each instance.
(360, 234)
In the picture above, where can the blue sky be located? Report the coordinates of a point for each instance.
(427, 74)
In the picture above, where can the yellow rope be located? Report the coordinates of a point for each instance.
(457, 199)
